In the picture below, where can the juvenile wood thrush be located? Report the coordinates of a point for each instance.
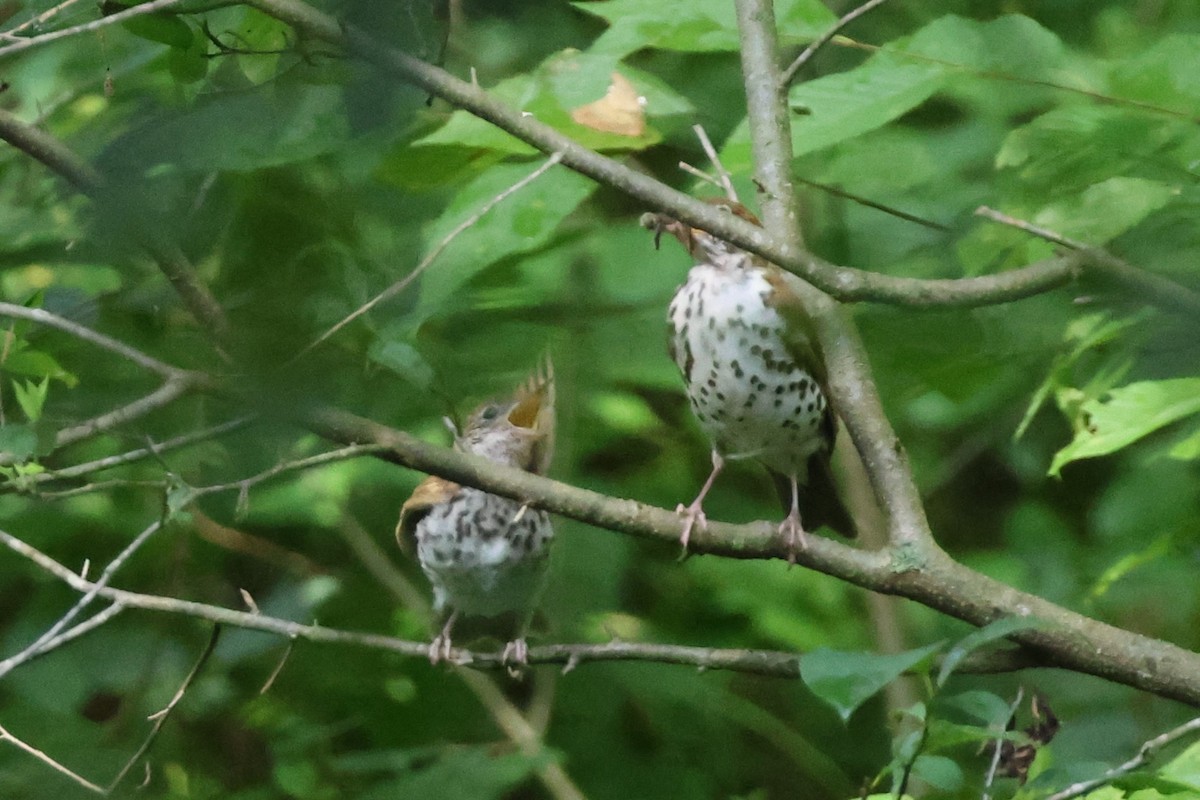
(486, 555)
(755, 376)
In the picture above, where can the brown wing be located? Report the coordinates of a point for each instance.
(802, 334)
(430, 492)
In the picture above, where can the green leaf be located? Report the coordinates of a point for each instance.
(403, 359)
(847, 680)
(36, 364)
(997, 629)
(165, 29)
(464, 773)
(939, 772)
(1185, 767)
(1126, 414)
(697, 26)
(986, 707)
(1105, 210)
(1014, 44)
(1187, 448)
(278, 123)
(18, 442)
(841, 106)
(520, 223)
(31, 397)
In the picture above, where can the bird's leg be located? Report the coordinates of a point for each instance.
(515, 656)
(694, 513)
(439, 648)
(791, 527)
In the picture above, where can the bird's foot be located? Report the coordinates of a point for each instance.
(515, 657)
(794, 535)
(693, 515)
(439, 649)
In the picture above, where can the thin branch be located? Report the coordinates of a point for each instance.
(43, 18)
(94, 589)
(160, 718)
(26, 483)
(1103, 264)
(283, 659)
(789, 74)
(518, 729)
(148, 232)
(91, 623)
(169, 392)
(758, 662)
(701, 174)
(837, 191)
(5, 736)
(43, 317)
(320, 459)
(403, 283)
(997, 744)
(1145, 753)
(87, 27)
(724, 179)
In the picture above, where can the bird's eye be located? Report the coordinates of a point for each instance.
(489, 413)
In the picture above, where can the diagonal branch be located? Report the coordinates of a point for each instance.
(149, 233)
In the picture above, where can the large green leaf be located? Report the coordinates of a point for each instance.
(838, 107)
(847, 680)
(695, 26)
(1105, 210)
(1126, 414)
(518, 224)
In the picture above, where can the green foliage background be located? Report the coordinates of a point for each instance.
(302, 184)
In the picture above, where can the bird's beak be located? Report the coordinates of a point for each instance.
(525, 413)
(661, 223)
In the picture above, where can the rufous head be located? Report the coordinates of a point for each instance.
(700, 244)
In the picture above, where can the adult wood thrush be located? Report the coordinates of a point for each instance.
(755, 375)
(486, 555)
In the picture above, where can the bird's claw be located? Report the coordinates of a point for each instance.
(515, 657)
(693, 515)
(439, 649)
(794, 535)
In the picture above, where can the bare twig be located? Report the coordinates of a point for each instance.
(789, 74)
(169, 392)
(758, 662)
(837, 191)
(699, 173)
(283, 659)
(518, 729)
(88, 625)
(997, 744)
(403, 283)
(87, 27)
(724, 179)
(51, 320)
(160, 717)
(108, 462)
(1145, 753)
(1163, 291)
(5, 736)
(89, 595)
(43, 18)
(320, 459)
